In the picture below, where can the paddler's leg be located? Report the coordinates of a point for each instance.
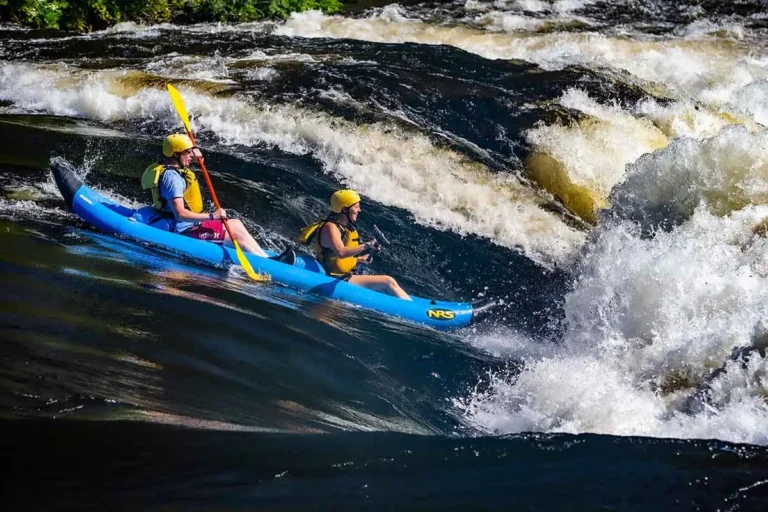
(244, 238)
(385, 284)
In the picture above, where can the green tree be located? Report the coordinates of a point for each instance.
(36, 13)
(86, 15)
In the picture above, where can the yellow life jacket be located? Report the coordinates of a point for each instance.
(332, 264)
(193, 198)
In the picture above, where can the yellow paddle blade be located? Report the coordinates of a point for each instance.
(247, 265)
(180, 108)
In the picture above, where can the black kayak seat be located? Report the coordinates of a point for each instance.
(288, 257)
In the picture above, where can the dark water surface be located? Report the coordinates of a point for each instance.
(377, 471)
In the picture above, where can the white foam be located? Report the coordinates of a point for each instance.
(643, 314)
(651, 317)
(191, 67)
(509, 343)
(65, 91)
(16, 209)
(439, 187)
(570, 5)
(261, 74)
(572, 395)
(508, 22)
(337, 96)
(217, 67)
(136, 30)
(595, 152)
(531, 5)
(701, 68)
(752, 100)
(476, 5)
(11, 27)
(559, 6)
(728, 172)
(687, 119)
(259, 55)
(702, 27)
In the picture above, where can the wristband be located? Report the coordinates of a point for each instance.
(210, 216)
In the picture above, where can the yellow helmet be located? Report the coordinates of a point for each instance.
(343, 199)
(176, 143)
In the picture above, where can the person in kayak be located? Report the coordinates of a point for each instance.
(338, 247)
(178, 201)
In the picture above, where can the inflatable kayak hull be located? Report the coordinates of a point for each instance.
(306, 274)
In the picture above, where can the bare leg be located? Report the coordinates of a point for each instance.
(383, 284)
(244, 238)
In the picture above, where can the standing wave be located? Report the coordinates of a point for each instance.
(439, 187)
(665, 326)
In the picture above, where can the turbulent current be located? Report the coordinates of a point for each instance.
(599, 168)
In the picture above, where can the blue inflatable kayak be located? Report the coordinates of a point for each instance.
(306, 274)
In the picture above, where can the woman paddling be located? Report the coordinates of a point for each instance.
(338, 248)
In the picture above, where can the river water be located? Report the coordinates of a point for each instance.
(600, 168)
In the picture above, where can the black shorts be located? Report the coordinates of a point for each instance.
(342, 277)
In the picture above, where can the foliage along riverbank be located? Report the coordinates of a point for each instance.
(87, 15)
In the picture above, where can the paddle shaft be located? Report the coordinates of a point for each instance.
(210, 185)
(380, 236)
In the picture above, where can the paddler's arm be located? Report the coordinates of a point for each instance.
(182, 213)
(172, 187)
(330, 231)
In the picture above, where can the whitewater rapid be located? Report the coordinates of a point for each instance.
(663, 328)
(673, 287)
(712, 78)
(398, 168)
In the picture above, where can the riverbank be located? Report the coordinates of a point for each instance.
(89, 15)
